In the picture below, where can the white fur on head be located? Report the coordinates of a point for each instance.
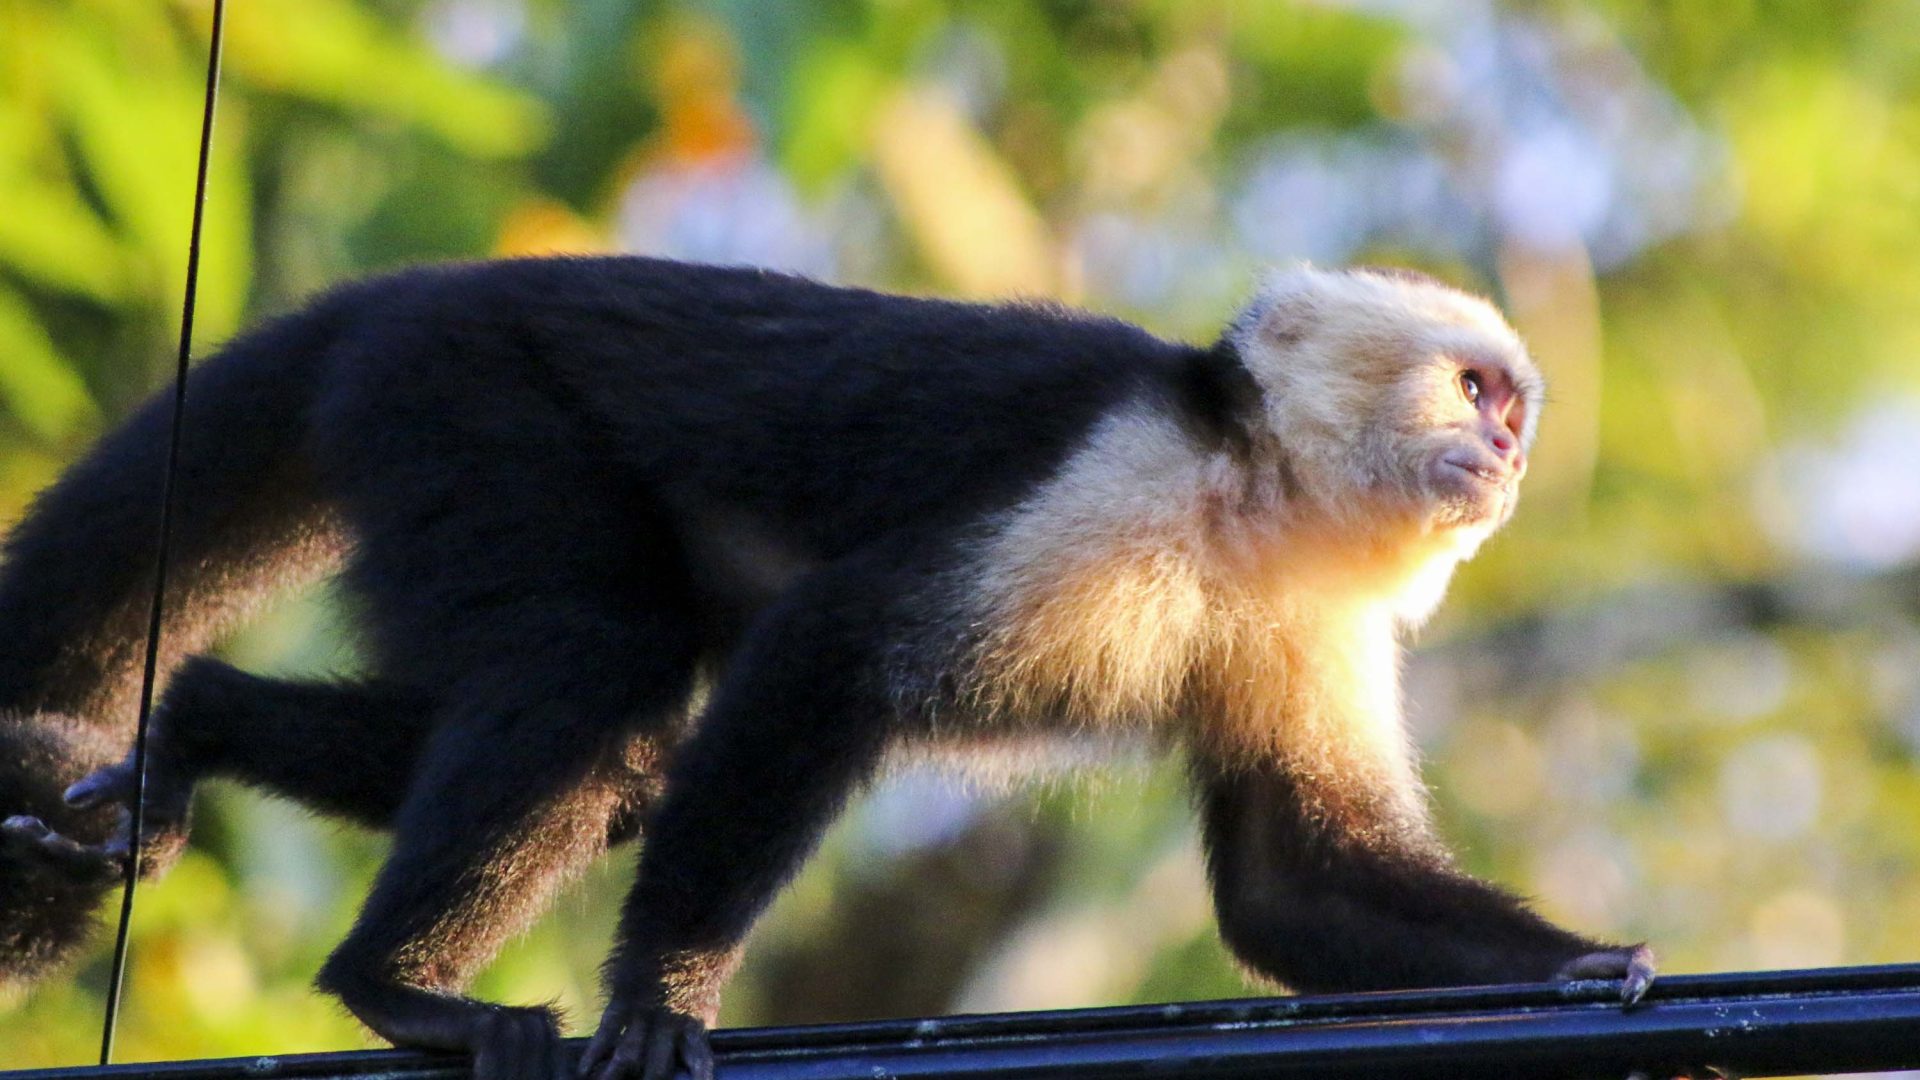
(1358, 372)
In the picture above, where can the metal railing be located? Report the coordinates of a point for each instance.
(1833, 1020)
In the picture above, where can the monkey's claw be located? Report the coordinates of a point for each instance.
(647, 1044)
(1633, 965)
(30, 837)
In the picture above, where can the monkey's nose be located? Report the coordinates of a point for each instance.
(1505, 443)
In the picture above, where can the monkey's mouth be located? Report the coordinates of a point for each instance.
(1471, 490)
(1487, 474)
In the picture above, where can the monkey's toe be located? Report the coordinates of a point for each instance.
(517, 1044)
(1633, 965)
(30, 838)
(647, 1044)
(166, 797)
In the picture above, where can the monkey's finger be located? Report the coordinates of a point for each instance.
(31, 836)
(629, 1051)
(25, 828)
(593, 1057)
(600, 1047)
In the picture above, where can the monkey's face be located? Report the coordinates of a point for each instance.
(1466, 426)
(1393, 401)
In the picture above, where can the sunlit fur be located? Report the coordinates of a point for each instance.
(1250, 600)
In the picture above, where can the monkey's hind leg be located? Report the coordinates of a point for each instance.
(530, 767)
(342, 748)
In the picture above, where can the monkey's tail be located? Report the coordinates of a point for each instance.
(76, 574)
(76, 585)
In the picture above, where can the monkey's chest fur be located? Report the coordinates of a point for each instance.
(1114, 601)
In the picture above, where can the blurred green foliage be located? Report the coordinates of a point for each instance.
(1704, 215)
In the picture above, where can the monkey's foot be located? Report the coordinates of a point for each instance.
(166, 799)
(516, 1044)
(1633, 965)
(164, 821)
(651, 1043)
(28, 839)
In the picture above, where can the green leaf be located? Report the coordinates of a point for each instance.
(49, 236)
(38, 386)
(836, 90)
(137, 132)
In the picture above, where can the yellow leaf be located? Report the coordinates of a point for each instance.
(545, 227)
(959, 201)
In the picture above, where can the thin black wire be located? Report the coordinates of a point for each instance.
(164, 544)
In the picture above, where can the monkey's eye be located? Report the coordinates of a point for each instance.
(1470, 384)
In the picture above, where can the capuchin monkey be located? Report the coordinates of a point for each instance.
(566, 493)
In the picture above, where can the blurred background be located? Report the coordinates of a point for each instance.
(1678, 700)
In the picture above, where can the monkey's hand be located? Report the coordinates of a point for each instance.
(163, 828)
(1633, 965)
(647, 1042)
(31, 841)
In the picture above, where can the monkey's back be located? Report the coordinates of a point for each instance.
(836, 414)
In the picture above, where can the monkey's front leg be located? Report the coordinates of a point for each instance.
(1325, 888)
(798, 721)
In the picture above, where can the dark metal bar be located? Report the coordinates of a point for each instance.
(1754, 1024)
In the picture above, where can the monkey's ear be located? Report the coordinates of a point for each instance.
(1288, 302)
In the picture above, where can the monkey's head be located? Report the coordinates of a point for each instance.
(1390, 397)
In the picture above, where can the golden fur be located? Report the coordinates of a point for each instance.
(1250, 603)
